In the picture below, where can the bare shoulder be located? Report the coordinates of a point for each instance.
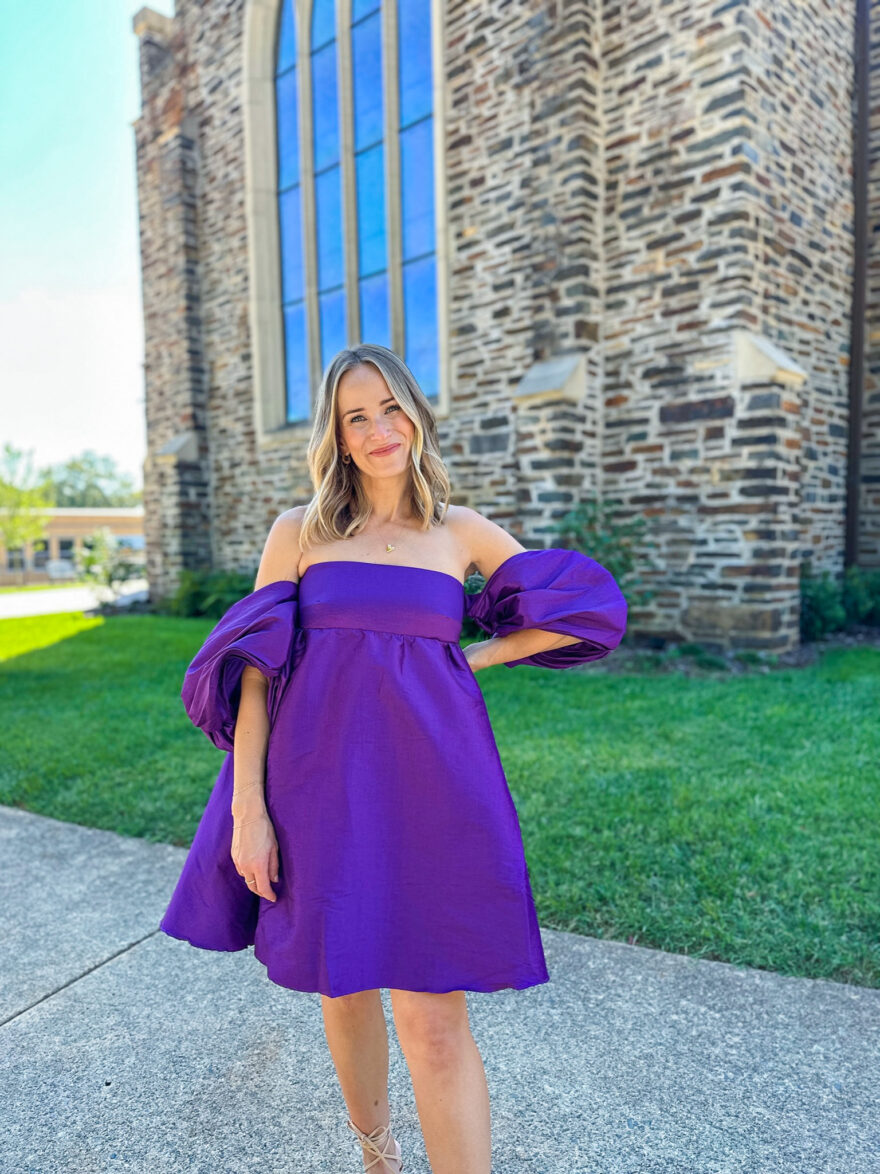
(292, 517)
(487, 543)
(282, 551)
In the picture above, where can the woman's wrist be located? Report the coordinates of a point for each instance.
(522, 643)
(248, 800)
(482, 654)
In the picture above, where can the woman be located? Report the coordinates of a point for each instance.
(361, 833)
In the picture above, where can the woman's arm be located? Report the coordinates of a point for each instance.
(251, 743)
(254, 844)
(490, 545)
(500, 649)
(279, 560)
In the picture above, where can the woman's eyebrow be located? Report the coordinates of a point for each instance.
(381, 402)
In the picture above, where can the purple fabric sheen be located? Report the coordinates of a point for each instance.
(557, 590)
(256, 630)
(401, 862)
(211, 906)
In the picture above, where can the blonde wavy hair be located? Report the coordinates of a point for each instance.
(339, 507)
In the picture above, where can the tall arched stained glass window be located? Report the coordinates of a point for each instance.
(358, 231)
(290, 218)
(328, 181)
(419, 258)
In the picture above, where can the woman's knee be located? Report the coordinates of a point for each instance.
(355, 1006)
(431, 1025)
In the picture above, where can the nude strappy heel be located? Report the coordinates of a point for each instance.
(376, 1143)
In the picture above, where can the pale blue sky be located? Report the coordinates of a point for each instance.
(71, 326)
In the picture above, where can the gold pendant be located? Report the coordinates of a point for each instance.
(388, 547)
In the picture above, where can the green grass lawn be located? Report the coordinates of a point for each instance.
(729, 818)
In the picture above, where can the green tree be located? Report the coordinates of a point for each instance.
(91, 481)
(25, 495)
(104, 561)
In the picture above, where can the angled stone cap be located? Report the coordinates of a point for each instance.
(180, 449)
(559, 377)
(159, 26)
(758, 360)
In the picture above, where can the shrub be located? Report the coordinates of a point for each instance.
(861, 595)
(593, 527)
(208, 593)
(103, 559)
(822, 609)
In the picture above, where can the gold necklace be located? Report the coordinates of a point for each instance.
(389, 546)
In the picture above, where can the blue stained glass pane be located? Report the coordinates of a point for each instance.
(417, 188)
(325, 107)
(414, 59)
(375, 319)
(360, 8)
(296, 362)
(371, 210)
(290, 224)
(323, 22)
(329, 213)
(286, 110)
(366, 50)
(286, 37)
(420, 323)
(332, 315)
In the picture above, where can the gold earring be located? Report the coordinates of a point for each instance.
(346, 460)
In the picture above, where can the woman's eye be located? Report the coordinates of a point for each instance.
(390, 408)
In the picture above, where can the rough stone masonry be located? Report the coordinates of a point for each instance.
(650, 240)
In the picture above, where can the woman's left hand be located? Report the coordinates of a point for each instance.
(476, 655)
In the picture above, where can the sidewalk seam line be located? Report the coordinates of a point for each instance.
(77, 977)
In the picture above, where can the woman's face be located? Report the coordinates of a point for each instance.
(370, 420)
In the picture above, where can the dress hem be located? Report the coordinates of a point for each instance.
(182, 937)
(481, 988)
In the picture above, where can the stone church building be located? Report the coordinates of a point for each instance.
(630, 251)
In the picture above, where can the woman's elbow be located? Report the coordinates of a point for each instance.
(254, 677)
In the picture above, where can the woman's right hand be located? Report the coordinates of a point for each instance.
(255, 854)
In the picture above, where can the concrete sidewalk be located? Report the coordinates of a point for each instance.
(82, 597)
(124, 1049)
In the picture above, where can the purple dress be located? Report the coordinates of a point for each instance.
(401, 858)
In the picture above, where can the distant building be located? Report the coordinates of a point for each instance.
(620, 248)
(50, 559)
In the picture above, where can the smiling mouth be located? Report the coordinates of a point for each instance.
(379, 452)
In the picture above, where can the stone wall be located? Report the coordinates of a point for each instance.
(727, 226)
(524, 208)
(869, 481)
(177, 499)
(524, 150)
(650, 235)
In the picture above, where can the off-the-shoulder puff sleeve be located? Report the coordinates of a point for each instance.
(557, 590)
(258, 630)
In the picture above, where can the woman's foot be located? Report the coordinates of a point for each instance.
(381, 1150)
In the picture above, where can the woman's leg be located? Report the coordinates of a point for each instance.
(448, 1079)
(358, 1039)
